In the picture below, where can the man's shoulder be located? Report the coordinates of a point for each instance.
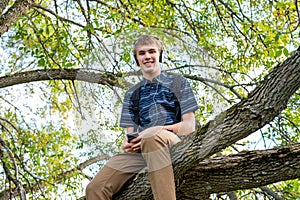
(174, 76)
(133, 88)
(176, 79)
(170, 74)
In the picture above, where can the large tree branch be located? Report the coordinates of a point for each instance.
(3, 5)
(104, 78)
(19, 8)
(241, 171)
(264, 103)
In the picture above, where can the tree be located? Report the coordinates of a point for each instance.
(69, 54)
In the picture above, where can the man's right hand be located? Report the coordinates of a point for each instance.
(132, 147)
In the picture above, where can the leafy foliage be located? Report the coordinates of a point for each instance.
(224, 48)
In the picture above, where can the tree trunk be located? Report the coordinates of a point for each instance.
(12, 15)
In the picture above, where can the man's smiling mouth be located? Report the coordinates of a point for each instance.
(150, 62)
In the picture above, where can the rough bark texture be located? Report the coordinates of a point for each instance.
(3, 5)
(264, 103)
(241, 171)
(12, 15)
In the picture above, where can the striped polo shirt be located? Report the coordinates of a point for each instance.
(157, 102)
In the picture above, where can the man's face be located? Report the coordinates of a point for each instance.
(148, 58)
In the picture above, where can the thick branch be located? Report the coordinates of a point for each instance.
(241, 171)
(13, 14)
(104, 78)
(3, 5)
(263, 104)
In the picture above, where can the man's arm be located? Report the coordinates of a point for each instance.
(185, 127)
(129, 130)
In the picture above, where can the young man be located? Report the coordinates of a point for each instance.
(157, 124)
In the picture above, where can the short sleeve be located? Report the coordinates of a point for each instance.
(126, 116)
(187, 100)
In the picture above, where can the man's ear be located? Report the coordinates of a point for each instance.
(136, 60)
(160, 56)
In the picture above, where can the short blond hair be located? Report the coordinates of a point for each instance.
(146, 40)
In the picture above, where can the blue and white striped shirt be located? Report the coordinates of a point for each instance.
(157, 102)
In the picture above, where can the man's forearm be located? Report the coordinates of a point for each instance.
(173, 128)
(186, 126)
(181, 128)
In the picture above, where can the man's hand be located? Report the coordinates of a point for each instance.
(134, 146)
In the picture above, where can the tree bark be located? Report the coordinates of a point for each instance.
(19, 8)
(103, 78)
(241, 171)
(3, 5)
(264, 103)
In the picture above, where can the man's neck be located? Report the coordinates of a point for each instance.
(151, 76)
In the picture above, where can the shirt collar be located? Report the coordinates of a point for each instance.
(158, 79)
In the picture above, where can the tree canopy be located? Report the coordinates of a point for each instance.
(66, 65)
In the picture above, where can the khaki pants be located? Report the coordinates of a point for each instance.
(120, 168)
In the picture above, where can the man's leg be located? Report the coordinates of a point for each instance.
(155, 150)
(114, 175)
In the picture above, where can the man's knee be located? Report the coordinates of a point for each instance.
(97, 191)
(91, 188)
(164, 137)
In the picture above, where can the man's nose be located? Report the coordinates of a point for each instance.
(147, 55)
